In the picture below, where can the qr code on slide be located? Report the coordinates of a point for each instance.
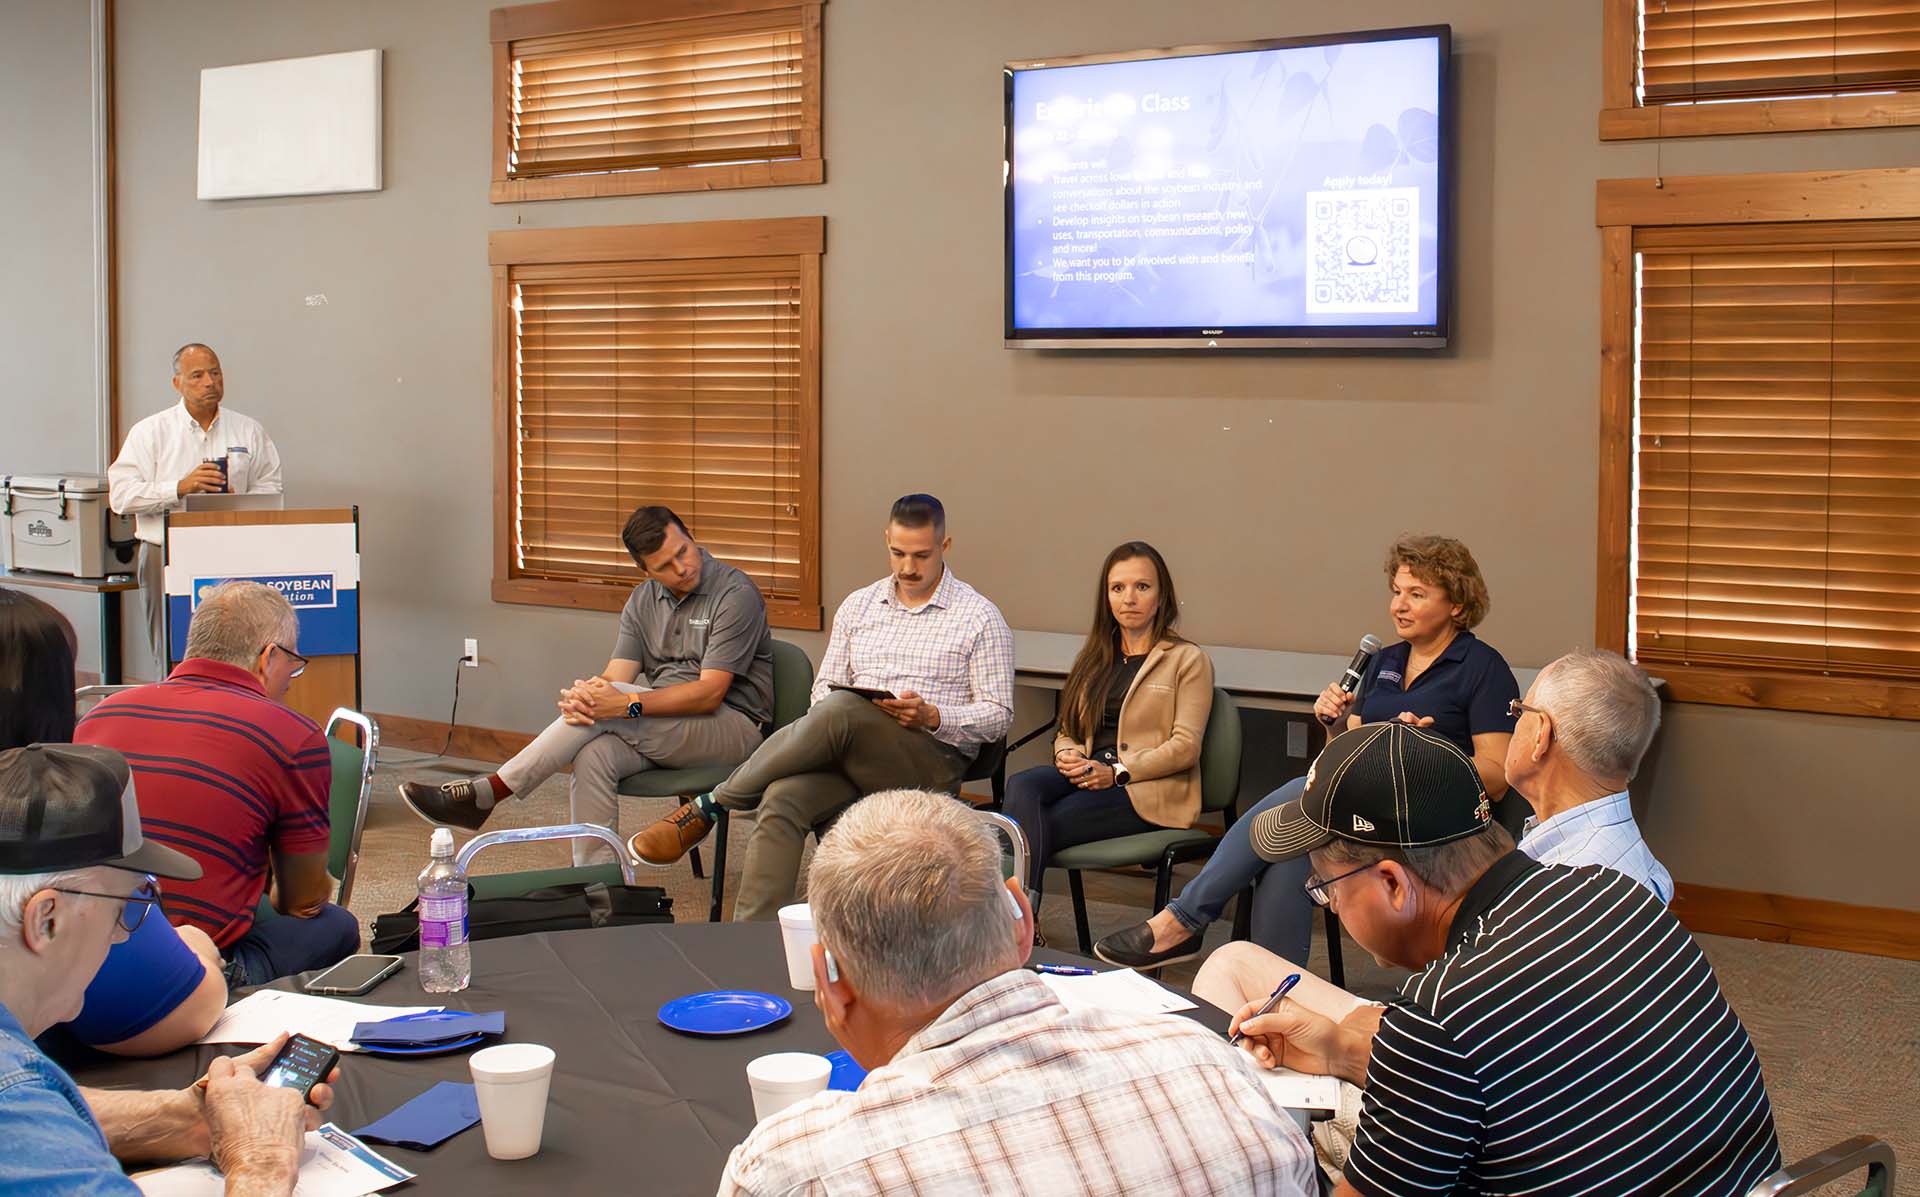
(1363, 250)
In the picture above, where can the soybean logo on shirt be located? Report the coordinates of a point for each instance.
(302, 591)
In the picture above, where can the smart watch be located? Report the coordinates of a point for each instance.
(1120, 775)
(633, 709)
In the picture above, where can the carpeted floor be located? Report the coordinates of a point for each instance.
(1838, 1034)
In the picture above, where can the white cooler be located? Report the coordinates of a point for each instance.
(61, 524)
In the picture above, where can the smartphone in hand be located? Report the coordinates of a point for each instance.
(864, 691)
(301, 1064)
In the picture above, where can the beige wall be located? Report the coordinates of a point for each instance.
(1290, 473)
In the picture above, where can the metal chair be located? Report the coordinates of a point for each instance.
(1219, 791)
(1014, 861)
(352, 787)
(1823, 1168)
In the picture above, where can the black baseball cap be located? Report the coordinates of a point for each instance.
(71, 806)
(1392, 785)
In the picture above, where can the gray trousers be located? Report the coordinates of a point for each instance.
(604, 752)
(153, 592)
(845, 747)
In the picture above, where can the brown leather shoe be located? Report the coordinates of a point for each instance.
(668, 839)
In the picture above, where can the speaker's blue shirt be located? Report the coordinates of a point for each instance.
(53, 1145)
(1465, 692)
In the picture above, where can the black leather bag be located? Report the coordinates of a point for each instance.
(557, 908)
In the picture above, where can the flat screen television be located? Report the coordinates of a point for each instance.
(1289, 193)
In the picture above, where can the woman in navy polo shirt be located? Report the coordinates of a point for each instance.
(1440, 676)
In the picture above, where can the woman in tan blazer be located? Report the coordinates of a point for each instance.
(1133, 711)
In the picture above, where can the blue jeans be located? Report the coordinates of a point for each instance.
(281, 946)
(1282, 913)
(1057, 814)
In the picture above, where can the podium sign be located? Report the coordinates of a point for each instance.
(311, 557)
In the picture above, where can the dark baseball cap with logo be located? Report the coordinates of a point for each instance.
(71, 806)
(1392, 785)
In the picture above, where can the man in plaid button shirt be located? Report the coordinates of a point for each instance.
(932, 642)
(979, 1080)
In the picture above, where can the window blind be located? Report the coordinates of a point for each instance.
(682, 389)
(1733, 49)
(693, 92)
(1777, 463)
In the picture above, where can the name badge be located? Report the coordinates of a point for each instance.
(1389, 675)
(698, 623)
(232, 449)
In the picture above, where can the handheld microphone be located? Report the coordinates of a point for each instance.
(1356, 668)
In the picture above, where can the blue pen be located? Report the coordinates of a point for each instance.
(1063, 970)
(1279, 991)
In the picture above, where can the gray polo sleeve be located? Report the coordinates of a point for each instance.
(631, 644)
(738, 629)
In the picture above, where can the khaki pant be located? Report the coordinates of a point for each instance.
(153, 592)
(603, 753)
(845, 747)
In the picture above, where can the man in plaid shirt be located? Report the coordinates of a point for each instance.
(979, 1080)
(942, 655)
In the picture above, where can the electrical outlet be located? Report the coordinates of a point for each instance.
(471, 658)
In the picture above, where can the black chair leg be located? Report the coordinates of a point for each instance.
(1080, 912)
(1243, 915)
(1163, 883)
(719, 864)
(1000, 783)
(1336, 970)
(693, 857)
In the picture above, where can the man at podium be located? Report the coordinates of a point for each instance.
(193, 447)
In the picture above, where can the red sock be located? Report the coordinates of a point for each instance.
(500, 789)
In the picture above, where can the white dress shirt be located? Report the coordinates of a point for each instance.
(1601, 832)
(167, 446)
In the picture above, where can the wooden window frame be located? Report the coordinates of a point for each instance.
(800, 239)
(518, 22)
(1621, 207)
(1624, 119)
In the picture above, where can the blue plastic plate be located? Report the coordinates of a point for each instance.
(724, 1012)
(847, 1073)
(421, 1049)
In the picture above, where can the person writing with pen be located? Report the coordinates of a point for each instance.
(1524, 1055)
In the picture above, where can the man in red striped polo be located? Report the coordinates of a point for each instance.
(237, 781)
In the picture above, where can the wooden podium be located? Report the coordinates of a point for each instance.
(312, 557)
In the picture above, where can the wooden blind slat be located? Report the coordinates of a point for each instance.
(1777, 463)
(682, 390)
(690, 93)
(1693, 50)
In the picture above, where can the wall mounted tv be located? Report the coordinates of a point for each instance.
(1290, 193)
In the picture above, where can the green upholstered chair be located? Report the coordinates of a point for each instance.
(1164, 848)
(792, 693)
(348, 793)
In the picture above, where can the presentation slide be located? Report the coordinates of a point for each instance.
(1291, 187)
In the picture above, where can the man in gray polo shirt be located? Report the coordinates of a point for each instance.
(690, 684)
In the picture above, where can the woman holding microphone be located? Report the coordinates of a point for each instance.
(1440, 676)
(1133, 712)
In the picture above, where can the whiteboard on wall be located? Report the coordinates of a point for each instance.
(295, 126)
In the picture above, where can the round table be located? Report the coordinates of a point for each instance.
(634, 1107)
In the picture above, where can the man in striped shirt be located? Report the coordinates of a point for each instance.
(1563, 1035)
(980, 1081)
(236, 780)
(917, 678)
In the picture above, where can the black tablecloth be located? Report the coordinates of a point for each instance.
(634, 1108)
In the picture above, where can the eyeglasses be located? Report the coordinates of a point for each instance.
(134, 906)
(1516, 706)
(1317, 889)
(299, 662)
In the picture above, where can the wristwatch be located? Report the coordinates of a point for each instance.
(1120, 775)
(633, 709)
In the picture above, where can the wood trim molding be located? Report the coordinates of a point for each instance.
(489, 744)
(603, 596)
(1803, 114)
(1784, 690)
(582, 16)
(1889, 194)
(1806, 922)
(690, 240)
(1617, 36)
(1615, 566)
(785, 173)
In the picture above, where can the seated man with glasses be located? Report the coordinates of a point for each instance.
(76, 876)
(1525, 1054)
(237, 781)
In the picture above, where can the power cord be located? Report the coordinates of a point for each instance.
(454, 714)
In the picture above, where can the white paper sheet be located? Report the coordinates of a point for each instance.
(1121, 989)
(335, 1164)
(258, 1017)
(1300, 1090)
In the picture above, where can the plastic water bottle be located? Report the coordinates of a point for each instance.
(446, 963)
